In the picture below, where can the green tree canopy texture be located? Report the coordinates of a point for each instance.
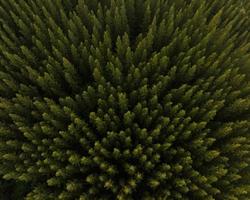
(125, 99)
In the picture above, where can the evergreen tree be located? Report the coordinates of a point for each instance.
(13, 190)
(125, 99)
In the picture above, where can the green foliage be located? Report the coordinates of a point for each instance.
(13, 190)
(125, 99)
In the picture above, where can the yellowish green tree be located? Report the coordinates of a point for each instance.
(125, 99)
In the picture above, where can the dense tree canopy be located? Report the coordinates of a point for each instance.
(125, 99)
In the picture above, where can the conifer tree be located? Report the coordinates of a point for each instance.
(125, 99)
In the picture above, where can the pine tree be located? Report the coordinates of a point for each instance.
(125, 99)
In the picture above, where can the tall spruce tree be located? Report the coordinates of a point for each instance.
(125, 99)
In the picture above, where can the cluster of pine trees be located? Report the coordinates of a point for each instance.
(125, 99)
